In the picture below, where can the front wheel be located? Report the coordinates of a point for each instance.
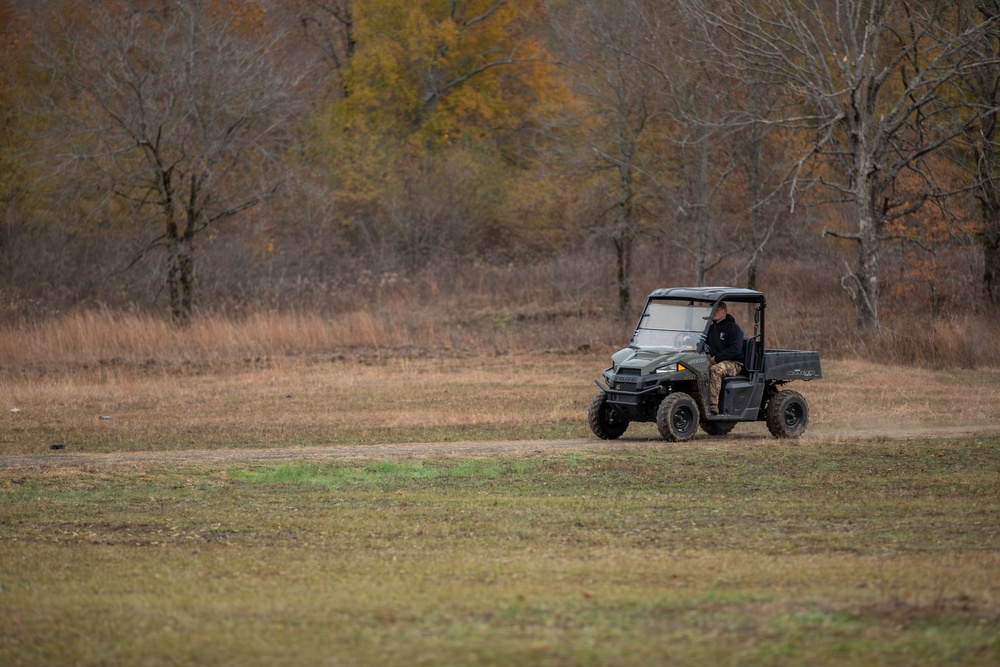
(787, 414)
(604, 420)
(677, 417)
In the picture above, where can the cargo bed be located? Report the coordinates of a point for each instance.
(787, 365)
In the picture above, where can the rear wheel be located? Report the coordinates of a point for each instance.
(604, 420)
(677, 417)
(787, 414)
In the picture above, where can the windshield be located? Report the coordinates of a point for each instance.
(674, 325)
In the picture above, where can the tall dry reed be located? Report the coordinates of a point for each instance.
(565, 305)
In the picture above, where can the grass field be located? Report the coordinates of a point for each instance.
(375, 400)
(875, 539)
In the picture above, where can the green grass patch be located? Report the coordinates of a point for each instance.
(381, 474)
(337, 476)
(872, 553)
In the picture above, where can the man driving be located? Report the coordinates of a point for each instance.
(725, 344)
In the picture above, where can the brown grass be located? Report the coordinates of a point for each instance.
(83, 338)
(851, 544)
(88, 338)
(366, 399)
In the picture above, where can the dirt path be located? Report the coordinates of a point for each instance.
(302, 453)
(516, 447)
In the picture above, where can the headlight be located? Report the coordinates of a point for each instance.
(669, 368)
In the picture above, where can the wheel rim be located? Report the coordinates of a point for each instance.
(682, 419)
(792, 414)
(611, 418)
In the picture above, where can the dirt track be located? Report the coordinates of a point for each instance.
(65, 458)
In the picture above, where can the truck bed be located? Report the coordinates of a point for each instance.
(786, 365)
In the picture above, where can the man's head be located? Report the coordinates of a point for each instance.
(720, 312)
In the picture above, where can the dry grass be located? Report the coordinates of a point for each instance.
(474, 317)
(370, 400)
(860, 395)
(867, 541)
(86, 338)
(89, 337)
(347, 401)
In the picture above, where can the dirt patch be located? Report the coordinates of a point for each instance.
(902, 612)
(65, 458)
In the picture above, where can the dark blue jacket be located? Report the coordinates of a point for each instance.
(725, 340)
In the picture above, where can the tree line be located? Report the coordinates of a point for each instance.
(143, 138)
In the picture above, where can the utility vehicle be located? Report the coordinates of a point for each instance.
(663, 375)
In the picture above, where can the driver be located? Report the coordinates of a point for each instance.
(725, 343)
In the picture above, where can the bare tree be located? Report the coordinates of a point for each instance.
(695, 95)
(711, 126)
(871, 81)
(329, 25)
(983, 85)
(594, 39)
(766, 179)
(174, 109)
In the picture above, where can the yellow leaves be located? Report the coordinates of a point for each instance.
(470, 104)
(432, 71)
(427, 41)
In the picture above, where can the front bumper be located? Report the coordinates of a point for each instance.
(626, 396)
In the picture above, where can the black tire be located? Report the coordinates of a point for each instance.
(787, 414)
(718, 428)
(677, 417)
(604, 420)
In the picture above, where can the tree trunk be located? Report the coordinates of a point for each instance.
(180, 274)
(989, 207)
(756, 204)
(987, 93)
(866, 276)
(704, 221)
(623, 242)
(991, 259)
(623, 251)
(986, 189)
(862, 146)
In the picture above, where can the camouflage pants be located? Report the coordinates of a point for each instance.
(718, 371)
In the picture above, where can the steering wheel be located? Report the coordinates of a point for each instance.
(685, 339)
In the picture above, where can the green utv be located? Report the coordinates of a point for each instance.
(663, 377)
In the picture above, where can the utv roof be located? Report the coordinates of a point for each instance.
(712, 294)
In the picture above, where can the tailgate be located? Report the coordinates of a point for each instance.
(792, 365)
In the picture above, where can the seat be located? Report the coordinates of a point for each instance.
(740, 384)
(750, 354)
